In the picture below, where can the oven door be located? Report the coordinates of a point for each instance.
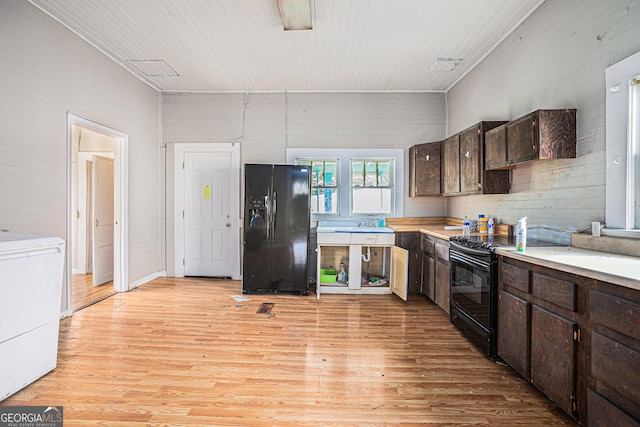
(471, 285)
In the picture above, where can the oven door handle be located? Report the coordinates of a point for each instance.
(456, 256)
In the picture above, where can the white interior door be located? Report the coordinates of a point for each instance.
(400, 272)
(103, 222)
(208, 215)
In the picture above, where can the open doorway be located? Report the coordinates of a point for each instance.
(95, 237)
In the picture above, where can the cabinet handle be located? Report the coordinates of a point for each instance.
(427, 157)
(466, 154)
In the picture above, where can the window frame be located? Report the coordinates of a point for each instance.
(391, 185)
(622, 143)
(344, 175)
(337, 179)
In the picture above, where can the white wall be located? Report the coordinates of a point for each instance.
(46, 72)
(555, 59)
(267, 123)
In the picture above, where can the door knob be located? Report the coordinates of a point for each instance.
(227, 225)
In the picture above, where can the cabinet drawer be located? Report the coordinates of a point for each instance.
(408, 240)
(616, 365)
(615, 313)
(442, 251)
(515, 277)
(603, 413)
(555, 291)
(429, 245)
(373, 239)
(335, 238)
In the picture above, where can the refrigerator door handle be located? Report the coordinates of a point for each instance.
(274, 212)
(267, 205)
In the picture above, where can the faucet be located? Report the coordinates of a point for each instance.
(371, 223)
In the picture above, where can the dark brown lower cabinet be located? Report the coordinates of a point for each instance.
(614, 394)
(575, 338)
(428, 282)
(538, 329)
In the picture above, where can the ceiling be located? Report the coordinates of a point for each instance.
(240, 45)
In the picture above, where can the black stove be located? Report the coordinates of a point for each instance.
(474, 287)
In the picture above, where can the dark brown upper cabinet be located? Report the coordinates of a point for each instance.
(464, 171)
(425, 170)
(451, 166)
(543, 134)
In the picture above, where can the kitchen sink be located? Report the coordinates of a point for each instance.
(350, 227)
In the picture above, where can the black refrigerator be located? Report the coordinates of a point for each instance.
(277, 213)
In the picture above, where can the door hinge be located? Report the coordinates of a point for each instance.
(577, 335)
(182, 214)
(574, 405)
(183, 262)
(182, 165)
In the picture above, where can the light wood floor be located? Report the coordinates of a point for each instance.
(84, 293)
(183, 352)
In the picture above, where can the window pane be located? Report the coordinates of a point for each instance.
(324, 200)
(357, 169)
(330, 170)
(317, 174)
(371, 177)
(384, 170)
(371, 200)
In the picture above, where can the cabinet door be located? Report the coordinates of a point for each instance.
(553, 357)
(443, 285)
(429, 277)
(495, 144)
(425, 175)
(443, 275)
(451, 165)
(522, 140)
(514, 343)
(470, 161)
(411, 240)
(399, 272)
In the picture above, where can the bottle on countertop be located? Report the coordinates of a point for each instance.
(521, 235)
(491, 226)
(482, 224)
(466, 227)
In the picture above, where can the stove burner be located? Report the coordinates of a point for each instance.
(481, 243)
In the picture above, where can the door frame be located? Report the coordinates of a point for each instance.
(175, 201)
(121, 238)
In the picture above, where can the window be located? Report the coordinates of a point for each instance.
(634, 155)
(353, 184)
(371, 186)
(623, 145)
(324, 188)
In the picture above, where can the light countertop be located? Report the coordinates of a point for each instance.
(622, 270)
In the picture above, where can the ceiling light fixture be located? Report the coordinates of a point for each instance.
(444, 64)
(296, 14)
